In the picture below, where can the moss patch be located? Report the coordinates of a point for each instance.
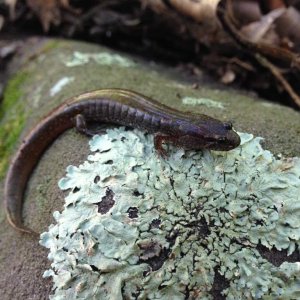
(12, 118)
(51, 45)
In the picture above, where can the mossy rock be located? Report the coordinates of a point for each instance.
(58, 70)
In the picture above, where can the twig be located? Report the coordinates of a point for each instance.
(277, 74)
(274, 52)
(260, 51)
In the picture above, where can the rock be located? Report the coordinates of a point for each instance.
(57, 70)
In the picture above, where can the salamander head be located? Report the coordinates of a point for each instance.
(211, 134)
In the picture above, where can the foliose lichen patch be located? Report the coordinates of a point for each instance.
(136, 226)
(202, 101)
(101, 58)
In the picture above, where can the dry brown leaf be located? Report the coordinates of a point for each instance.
(269, 5)
(228, 77)
(200, 11)
(157, 5)
(203, 11)
(288, 26)
(1, 22)
(246, 11)
(255, 31)
(49, 11)
(11, 5)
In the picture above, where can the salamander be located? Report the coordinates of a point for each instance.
(116, 106)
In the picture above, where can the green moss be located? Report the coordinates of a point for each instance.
(12, 92)
(50, 45)
(12, 119)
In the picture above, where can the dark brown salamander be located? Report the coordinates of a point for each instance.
(115, 106)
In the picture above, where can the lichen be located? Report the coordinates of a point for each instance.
(57, 87)
(202, 101)
(11, 118)
(101, 58)
(137, 226)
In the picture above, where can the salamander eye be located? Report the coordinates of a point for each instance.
(221, 139)
(228, 126)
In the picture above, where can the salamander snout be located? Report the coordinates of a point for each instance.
(227, 142)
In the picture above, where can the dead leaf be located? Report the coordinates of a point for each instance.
(228, 77)
(11, 5)
(255, 31)
(49, 11)
(288, 26)
(1, 22)
(200, 11)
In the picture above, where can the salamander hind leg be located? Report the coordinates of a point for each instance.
(81, 126)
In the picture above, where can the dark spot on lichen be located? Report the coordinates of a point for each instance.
(96, 179)
(194, 293)
(123, 287)
(201, 227)
(106, 203)
(220, 283)
(109, 162)
(153, 254)
(145, 273)
(136, 193)
(132, 212)
(187, 293)
(127, 128)
(277, 257)
(105, 151)
(76, 189)
(94, 268)
(136, 294)
(171, 237)
(155, 223)
(259, 223)
(149, 249)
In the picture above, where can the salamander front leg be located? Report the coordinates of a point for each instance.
(159, 139)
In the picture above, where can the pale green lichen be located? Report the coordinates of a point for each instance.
(202, 101)
(58, 86)
(101, 58)
(136, 226)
